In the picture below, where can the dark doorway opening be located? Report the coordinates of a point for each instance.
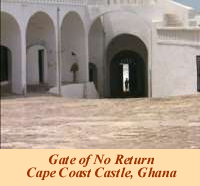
(41, 65)
(93, 73)
(128, 77)
(5, 70)
(5, 64)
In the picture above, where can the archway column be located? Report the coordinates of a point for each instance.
(86, 78)
(23, 62)
(20, 69)
(58, 55)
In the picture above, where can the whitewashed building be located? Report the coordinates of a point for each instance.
(66, 44)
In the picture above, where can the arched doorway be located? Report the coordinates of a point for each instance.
(127, 75)
(11, 73)
(5, 64)
(5, 70)
(41, 53)
(127, 67)
(73, 47)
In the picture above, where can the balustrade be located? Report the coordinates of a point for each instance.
(184, 35)
(87, 2)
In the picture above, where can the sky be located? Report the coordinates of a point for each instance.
(193, 3)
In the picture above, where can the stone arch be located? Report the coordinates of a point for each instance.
(111, 10)
(41, 31)
(111, 24)
(131, 50)
(37, 11)
(143, 44)
(73, 48)
(11, 38)
(77, 15)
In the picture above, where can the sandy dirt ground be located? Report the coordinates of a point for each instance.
(53, 122)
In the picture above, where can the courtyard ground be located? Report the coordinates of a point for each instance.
(45, 121)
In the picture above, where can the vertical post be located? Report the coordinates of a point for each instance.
(105, 87)
(23, 63)
(150, 74)
(87, 57)
(58, 53)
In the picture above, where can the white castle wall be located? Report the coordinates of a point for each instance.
(174, 69)
(135, 19)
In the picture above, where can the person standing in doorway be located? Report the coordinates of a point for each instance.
(127, 85)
